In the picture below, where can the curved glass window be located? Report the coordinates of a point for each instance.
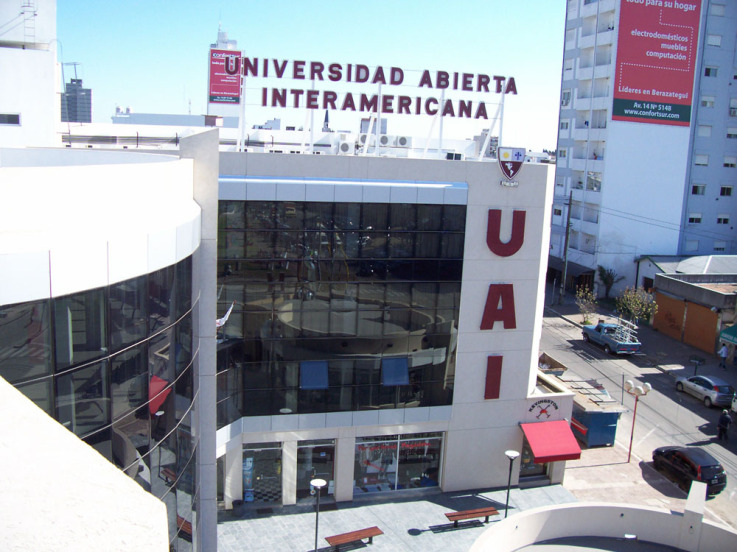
(80, 328)
(25, 341)
(114, 366)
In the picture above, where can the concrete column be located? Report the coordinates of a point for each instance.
(233, 485)
(289, 472)
(345, 459)
(203, 149)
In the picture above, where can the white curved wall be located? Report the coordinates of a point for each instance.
(683, 532)
(71, 222)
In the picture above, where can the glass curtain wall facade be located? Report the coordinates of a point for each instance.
(115, 366)
(336, 306)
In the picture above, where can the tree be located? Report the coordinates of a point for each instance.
(636, 303)
(608, 277)
(586, 302)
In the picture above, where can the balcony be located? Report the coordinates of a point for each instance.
(590, 134)
(579, 164)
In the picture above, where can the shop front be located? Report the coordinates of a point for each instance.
(262, 466)
(396, 462)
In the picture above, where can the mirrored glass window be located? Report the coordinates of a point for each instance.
(128, 314)
(82, 403)
(80, 331)
(25, 341)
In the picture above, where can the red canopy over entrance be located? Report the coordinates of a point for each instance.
(551, 441)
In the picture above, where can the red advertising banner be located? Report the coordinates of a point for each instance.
(656, 59)
(225, 76)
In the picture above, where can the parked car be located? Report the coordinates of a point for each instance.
(686, 464)
(710, 389)
(614, 338)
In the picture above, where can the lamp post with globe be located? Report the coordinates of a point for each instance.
(512, 455)
(636, 391)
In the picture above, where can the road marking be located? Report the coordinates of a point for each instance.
(647, 435)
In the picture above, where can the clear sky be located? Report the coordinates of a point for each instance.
(152, 55)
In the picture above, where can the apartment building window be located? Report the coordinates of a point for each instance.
(9, 119)
(710, 71)
(714, 40)
(717, 9)
(691, 246)
(564, 125)
(698, 189)
(722, 218)
(720, 245)
(731, 132)
(704, 131)
(562, 154)
(730, 161)
(565, 97)
(733, 106)
(557, 212)
(707, 101)
(725, 191)
(560, 181)
(701, 160)
(694, 218)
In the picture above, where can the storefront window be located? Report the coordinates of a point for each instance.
(262, 472)
(397, 462)
(315, 459)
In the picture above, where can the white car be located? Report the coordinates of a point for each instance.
(714, 391)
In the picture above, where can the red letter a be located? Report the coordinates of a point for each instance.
(499, 307)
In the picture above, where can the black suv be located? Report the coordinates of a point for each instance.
(688, 464)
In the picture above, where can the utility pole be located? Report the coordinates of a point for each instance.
(565, 251)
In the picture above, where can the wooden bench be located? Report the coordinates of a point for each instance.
(368, 533)
(184, 526)
(455, 517)
(169, 475)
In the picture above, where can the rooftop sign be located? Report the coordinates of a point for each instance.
(315, 72)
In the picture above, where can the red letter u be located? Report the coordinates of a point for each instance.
(493, 229)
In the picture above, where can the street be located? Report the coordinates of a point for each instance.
(664, 416)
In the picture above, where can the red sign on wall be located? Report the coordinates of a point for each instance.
(225, 81)
(656, 59)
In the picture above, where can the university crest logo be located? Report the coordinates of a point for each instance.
(510, 161)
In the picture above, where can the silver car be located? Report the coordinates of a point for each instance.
(710, 389)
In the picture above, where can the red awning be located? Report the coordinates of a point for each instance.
(551, 441)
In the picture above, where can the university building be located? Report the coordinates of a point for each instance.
(239, 322)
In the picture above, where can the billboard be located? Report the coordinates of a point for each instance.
(225, 79)
(656, 59)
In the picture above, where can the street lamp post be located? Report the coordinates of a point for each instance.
(636, 391)
(512, 455)
(318, 484)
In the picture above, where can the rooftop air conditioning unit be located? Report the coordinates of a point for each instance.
(346, 145)
(385, 140)
(404, 142)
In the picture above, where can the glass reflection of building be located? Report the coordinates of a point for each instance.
(338, 306)
(115, 366)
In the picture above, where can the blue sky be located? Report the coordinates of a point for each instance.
(153, 55)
